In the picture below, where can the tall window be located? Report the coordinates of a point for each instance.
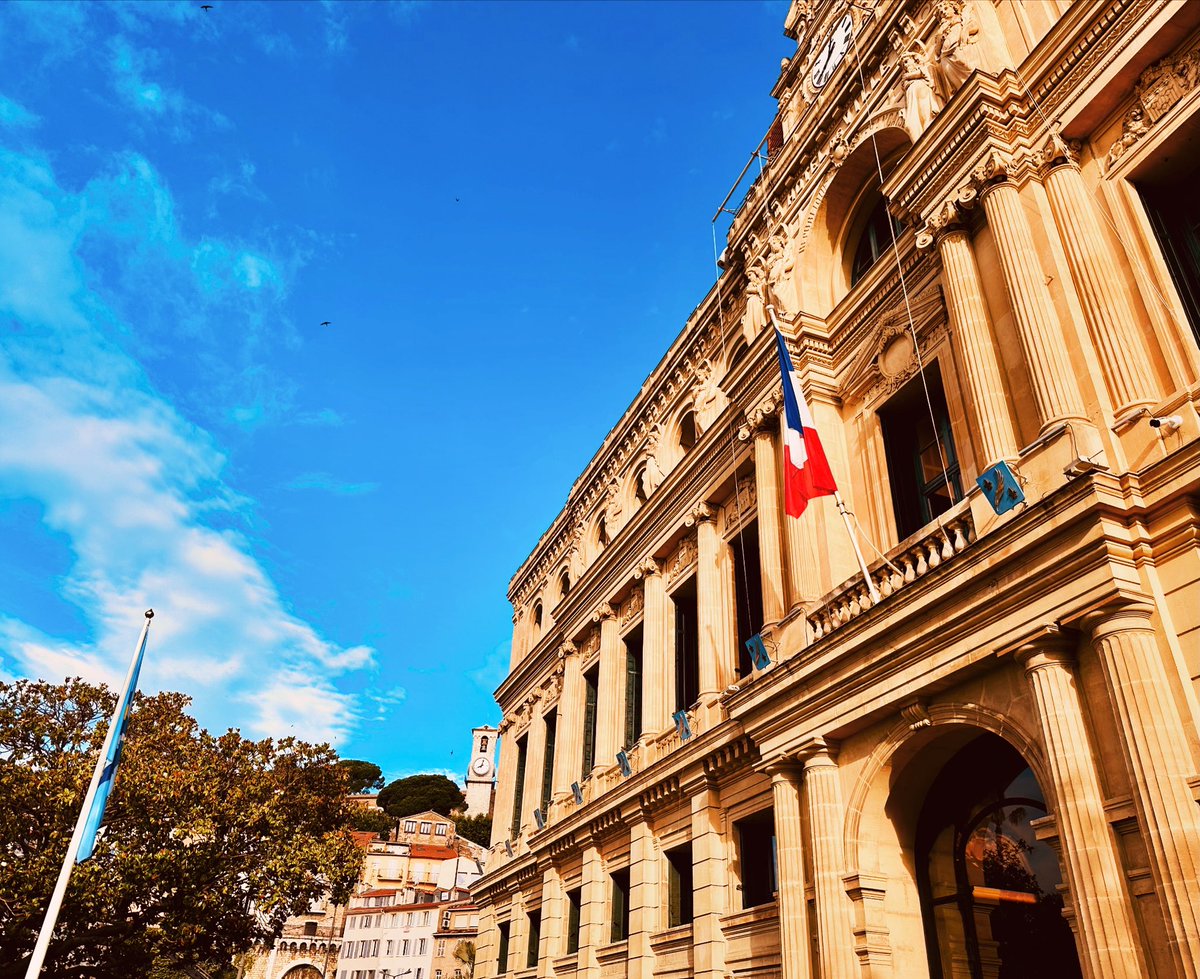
(535, 939)
(619, 906)
(502, 955)
(633, 686)
(747, 589)
(1170, 199)
(548, 759)
(591, 685)
(574, 900)
(757, 857)
(687, 430)
(923, 485)
(875, 239)
(687, 645)
(519, 788)
(679, 886)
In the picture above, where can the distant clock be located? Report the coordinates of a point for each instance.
(832, 51)
(481, 766)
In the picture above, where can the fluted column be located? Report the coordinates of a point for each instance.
(645, 897)
(789, 846)
(711, 889)
(535, 752)
(976, 346)
(610, 704)
(658, 671)
(1155, 742)
(506, 782)
(1054, 385)
(714, 589)
(593, 909)
(826, 814)
(764, 422)
(1119, 343)
(569, 734)
(800, 538)
(1106, 935)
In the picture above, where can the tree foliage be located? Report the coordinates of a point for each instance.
(210, 842)
(477, 829)
(363, 775)
(371, 821)
(420, 793)
(464, 952)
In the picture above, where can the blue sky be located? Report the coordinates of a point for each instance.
(503, 210)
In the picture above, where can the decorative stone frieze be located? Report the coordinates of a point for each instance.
(1158, 89)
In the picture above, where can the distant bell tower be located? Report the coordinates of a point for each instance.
(481, 772)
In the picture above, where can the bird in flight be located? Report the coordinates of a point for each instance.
(327, 323)
(206, 6)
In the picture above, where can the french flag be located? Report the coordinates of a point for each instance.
(805, 469)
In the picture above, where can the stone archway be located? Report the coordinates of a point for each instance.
(948, 877)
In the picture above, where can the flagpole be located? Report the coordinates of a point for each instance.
(876, 597)
(64, 875)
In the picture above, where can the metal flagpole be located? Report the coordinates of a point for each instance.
(64, 875)
(841, 505)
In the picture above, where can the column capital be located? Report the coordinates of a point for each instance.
(785, 768)
(646, 568)
(817, 753)
(949, 217)
(759, 421)
(700, 513)
(566, 650)
(604, 611)
(1057, 153)
(992, 172)
(1125, 615)
(1048, 645)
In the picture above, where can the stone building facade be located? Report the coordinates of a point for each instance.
(977, 230)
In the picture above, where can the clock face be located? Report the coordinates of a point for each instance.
(832, 51)
(481, 766)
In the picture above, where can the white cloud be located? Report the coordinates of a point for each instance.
(14, 115)
(130, 482)
(130, 68)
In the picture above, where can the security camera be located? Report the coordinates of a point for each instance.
(1166, 424)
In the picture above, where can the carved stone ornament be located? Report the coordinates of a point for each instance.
(921, 99)
(781, 285)
(916, 715)
(1158, 88)
(745, 499)
(699, 513)
(951, 213)
(632, 606)
(992, 170)
(605, 611)
(683, 558)
(706, 397)
(566, 650)
(646, 568)
(592, 643)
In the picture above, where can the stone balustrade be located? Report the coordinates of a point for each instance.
(910, 562)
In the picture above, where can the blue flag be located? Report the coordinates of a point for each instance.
(91, 829)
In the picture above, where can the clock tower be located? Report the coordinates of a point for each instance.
(481, 771)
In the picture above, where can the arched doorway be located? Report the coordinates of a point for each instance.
(989, 888)
(305, 971)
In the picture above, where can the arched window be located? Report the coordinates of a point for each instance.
(988, 886)
(564, 583)
(602, 537)
(639, 485)
(739, 354)
(483, 744)
(875, 238)
(687, 430)
(537, 615)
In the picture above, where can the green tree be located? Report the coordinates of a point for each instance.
(371, 821)
(363, 775)
(477, 829)
(210, 842)
(464, 952)
(420, 793)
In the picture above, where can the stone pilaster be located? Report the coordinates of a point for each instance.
(710, 883)
(764, 423)
(553, 923)
(1054, 385)
(826, 814)
(535, 748)
(658, 671)
(1155, 743)
(486, 943)
(610, 705)
(714, 588)
(569, 734)
(1107, 938)
(593, 920)
(976, 346)
(646, 899)
(1119, 343)
(789, 845)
